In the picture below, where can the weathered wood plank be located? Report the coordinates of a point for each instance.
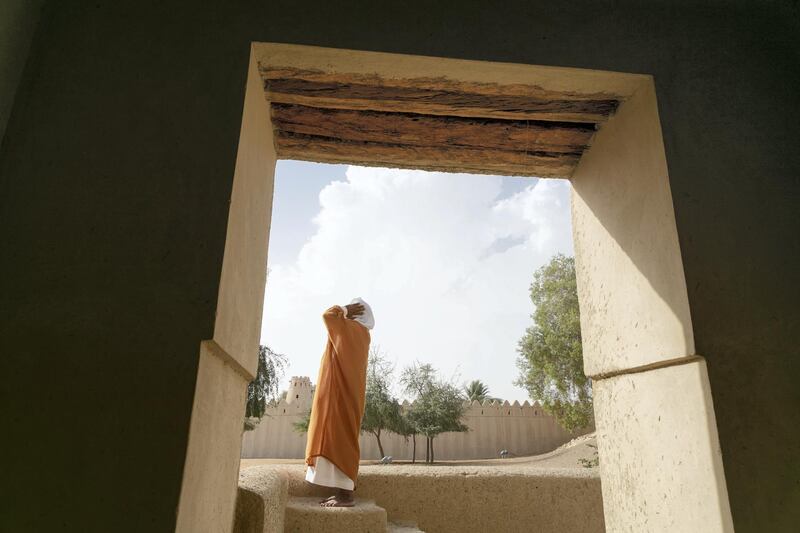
(440, 83)
(433, 131)
(453, 105)
(432, 97)
(454, 159)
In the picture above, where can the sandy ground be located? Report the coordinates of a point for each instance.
(566, 456)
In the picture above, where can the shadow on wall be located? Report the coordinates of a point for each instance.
(632, 290)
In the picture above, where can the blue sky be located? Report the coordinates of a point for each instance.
(444, 259)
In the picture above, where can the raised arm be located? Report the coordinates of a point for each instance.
(334, 319)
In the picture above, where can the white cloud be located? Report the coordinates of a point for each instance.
(444, 263)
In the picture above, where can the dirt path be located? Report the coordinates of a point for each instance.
(566, 456)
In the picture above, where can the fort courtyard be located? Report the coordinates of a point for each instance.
(138, 148)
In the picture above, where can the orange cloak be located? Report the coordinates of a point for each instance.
(338, 405)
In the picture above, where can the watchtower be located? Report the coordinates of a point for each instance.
(299, 391)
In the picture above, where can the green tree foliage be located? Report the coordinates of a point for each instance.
(278, 399)
(438, 405)
(301, 426)
(550, 353)
(265, 385)
(406, 428)
(477, 390)
(381, 409)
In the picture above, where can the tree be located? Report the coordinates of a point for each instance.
(550, 353)
(301, 426)
(438, 405)
(273, 402)
(265, 385)
(476, 390)
(406, 428)
(381, 409)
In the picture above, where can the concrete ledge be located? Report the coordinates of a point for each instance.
(261, 500)
(444, 499)
(392, 527)
(304, 515)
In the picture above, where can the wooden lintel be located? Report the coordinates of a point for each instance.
(434, 131)
(453, 159)
(433, 97)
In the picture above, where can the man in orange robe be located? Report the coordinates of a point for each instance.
(332, 449)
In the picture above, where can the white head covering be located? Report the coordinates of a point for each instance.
(366, 319)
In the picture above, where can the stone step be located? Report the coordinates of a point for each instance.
(305, 515)
(403, 527)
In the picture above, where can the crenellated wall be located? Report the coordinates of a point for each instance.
(522, 429)
(116, 174)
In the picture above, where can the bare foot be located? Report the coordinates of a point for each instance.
(335, 501)
(342, 498)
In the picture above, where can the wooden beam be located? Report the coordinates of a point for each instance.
(432, 96)
(433, 131)
(455, 159)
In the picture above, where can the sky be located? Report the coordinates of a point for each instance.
(445, 261)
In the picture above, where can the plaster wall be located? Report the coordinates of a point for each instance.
(657, 439)
(443, 499)
(237, 328)
(261, 500)
(208, 490)
(520, 429)
(660, 461)
(486, 499)
(18, 19)
(631, 287)
(229, 362)
(116, 172)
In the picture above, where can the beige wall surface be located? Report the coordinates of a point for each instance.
(631, 287)
(658, 443)
(521, 429)
(444, 499)
(485, 499)
(660, 460)
(261, 500)
(229, 362)
(208, 492)
(241, 290)
(116, 172)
